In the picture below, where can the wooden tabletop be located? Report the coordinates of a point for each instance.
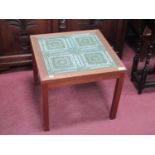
(73, 54)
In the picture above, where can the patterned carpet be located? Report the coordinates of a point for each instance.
(79, 109)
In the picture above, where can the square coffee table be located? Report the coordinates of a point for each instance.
(72, 58)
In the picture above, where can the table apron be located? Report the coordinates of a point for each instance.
(82, 79)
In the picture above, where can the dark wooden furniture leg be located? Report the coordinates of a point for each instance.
(136, 60)
(143, 53)
(44, 88)
(116, 97)
(145, 70)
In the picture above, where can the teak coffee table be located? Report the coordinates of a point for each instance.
(72, 58)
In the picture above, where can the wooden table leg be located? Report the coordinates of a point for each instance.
(35, 70)
(116, 97)
(44, 88)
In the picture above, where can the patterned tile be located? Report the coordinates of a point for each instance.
(94, 58)
(53, 44)
(85, 41)
(74, 52)
(61, 64)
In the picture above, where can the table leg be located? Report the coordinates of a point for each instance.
(116, 97)
(35, 70)
(44, 88)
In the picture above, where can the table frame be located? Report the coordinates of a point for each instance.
(41, 75)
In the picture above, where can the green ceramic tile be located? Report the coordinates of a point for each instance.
(74, 52)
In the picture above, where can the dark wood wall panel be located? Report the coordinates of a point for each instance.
(113, 29)
(15, 34)
(15, 47)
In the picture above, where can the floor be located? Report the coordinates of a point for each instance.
(79, 109)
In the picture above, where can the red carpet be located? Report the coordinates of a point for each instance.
(78, 109)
